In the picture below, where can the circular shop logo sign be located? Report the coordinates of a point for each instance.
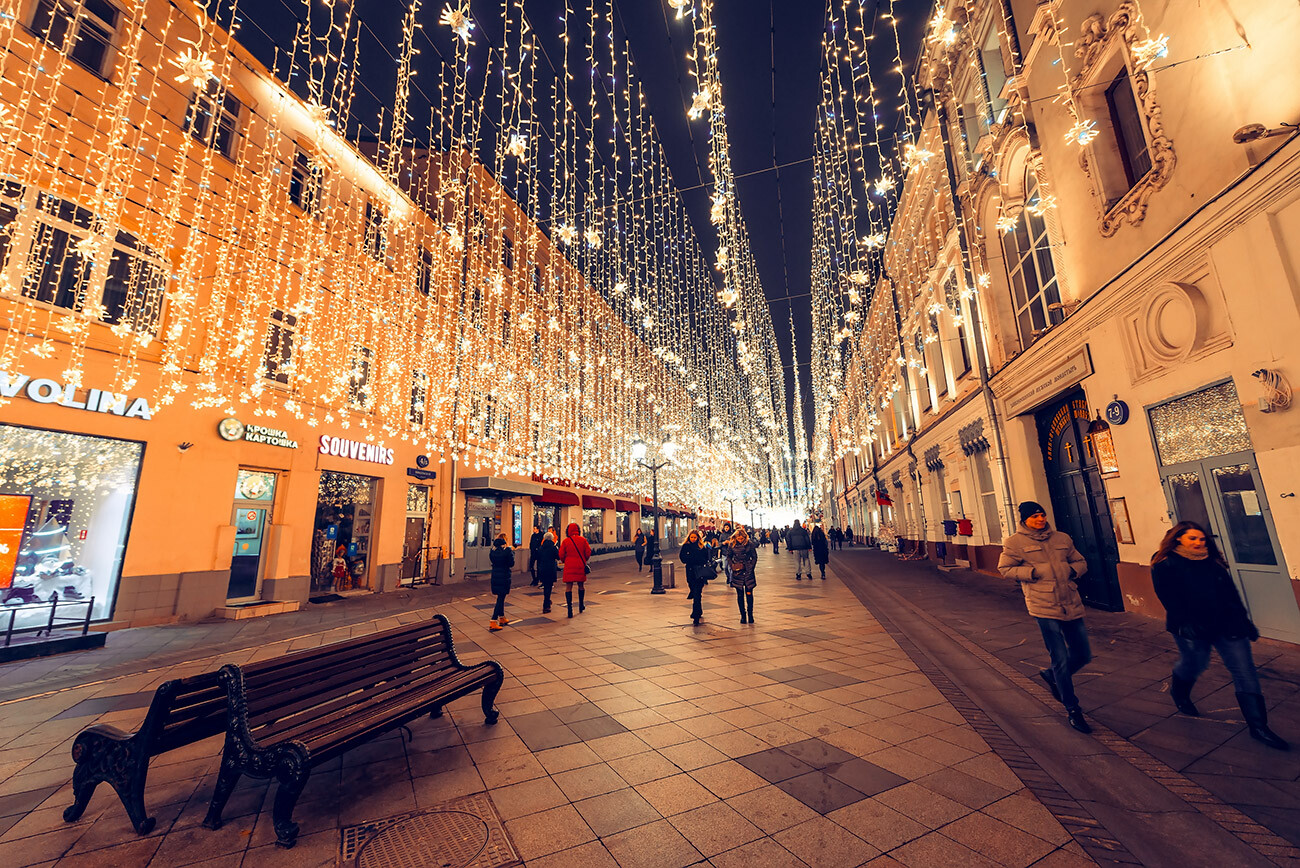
(230, 428)
(422, 461)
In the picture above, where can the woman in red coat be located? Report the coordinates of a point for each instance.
(574, 553)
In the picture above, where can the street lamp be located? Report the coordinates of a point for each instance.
(731, 497)
(654, 464)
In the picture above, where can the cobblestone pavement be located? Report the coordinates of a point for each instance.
(825, 735)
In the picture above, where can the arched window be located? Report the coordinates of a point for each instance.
(1030, 270)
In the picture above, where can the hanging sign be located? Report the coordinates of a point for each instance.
(355, 450)
(46, 391)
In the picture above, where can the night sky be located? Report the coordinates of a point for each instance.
(769, 56)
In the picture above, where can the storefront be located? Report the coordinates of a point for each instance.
(493, 505)
(66, 502)
(593, 517)
(548, 508)
(254, 502)
(625, 520)
(343, 538)
(417, 558)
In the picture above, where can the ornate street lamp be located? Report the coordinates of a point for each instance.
(731, 497)
(655, 463)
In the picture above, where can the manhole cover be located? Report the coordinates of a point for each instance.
(446, 839)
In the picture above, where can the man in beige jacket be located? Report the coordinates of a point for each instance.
(1046, 563)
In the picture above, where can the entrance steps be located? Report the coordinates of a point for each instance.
(256, 609)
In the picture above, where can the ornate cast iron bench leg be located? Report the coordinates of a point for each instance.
(490, 690)
(292, 773)
(227, 779)
(107, 755)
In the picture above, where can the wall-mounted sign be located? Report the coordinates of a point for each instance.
(417, 473)
(355, 450)
(44, 391)
(231, 428)
(1117, 412)
(422, 461)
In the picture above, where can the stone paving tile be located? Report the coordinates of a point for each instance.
(997, 841)
(821, 843)
(616, 812)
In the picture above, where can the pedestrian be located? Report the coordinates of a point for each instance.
(575, 552)
(534, 543)
(1203, 610)
(638, 545)
(651, 547)
(547, 554)
(821, 550)
(836, 537)
(848, 534)
(695, 555)
(502, 557)
(798, 541)
(776, 541)
(742, 555)
(1046, 564)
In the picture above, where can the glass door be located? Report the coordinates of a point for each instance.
(251, 517)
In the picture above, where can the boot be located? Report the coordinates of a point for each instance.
(749, 599)
(1077, 720)
(494, 625)
(1181, 693)
(1256, 714)
(568, 598)
(582, 599)
(740, 602)
(503, 620)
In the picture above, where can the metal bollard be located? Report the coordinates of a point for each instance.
(672, 576)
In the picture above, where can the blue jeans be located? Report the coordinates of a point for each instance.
(1067, 645)
(1194, 656)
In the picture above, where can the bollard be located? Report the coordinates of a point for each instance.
(672, 575)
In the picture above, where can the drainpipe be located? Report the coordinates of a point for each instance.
(455, 401)
(907, 390)
(977, 329)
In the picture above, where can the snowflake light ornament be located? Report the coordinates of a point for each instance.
(874, 242)
(682, 7)
(517, 147)
(454, 239)
(1147, 51)
(566, 234)
(718, 211)
(1006, 223)
(915, 157)
(592, 237)
(884, 185)
(1041, 205)
(196, 68)
(90, 248)
(458, 20)
(620, 287)
(1082, 133)
(860, 277)
(724, 257)
(699, 105)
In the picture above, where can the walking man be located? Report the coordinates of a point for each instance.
(534, 545)
(1046, 564)
(798, 541)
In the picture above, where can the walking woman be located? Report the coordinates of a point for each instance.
(821, 550)
(742, 555)
(638, 543)
(547, 554)
(1203, 610)
(503, 564)
(695, 555)
(575, 552)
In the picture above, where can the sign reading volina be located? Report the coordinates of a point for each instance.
(46, 391)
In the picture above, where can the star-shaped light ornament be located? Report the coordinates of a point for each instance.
(458, 20)
(566, 234)
(90, 248)
(454, 239)
(874, 242)
(517, 147)
(1041, 205)
(620, 287)
(860, 277)
(915, 157)
(1006, 223)
(699, 105)
(718, 211)
(1147, 51)
(196, 68)
(724, 257)
(884, 185)
(682, 7)
(1082, 133)
(592, 237)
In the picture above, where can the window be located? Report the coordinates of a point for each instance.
(995, 74)
(988, 496)
(305, 182)
(118, 281)
(965, 354)
(376, 239)
(419, 396)
(938, 365)
(424, 271)
(1126, 121)
(537, 279)
(505, 327)
(213, 118)
(490, 416)
(478, 229)
(1030, 270)
(922, 387)
(359, 381)
(84, 30)
(278, 355)
(476, 309)
(537, 349)
(507, 252)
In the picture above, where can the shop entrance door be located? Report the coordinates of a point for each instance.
(413, 548)
(250, 520)
(1078, 497)
(482, 523)
(1224, 494)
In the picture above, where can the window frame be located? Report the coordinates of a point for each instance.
(213, 108)
(306, 181)
(1047, 292)
(277, 352)
(360, 395)
(77, 13)
(1131, 157)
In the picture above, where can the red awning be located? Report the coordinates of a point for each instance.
(627, 506)
(556, 496)
(591, 501)
(671, 513)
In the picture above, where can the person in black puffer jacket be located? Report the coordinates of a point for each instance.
(547, 555)
(503, 564)
(1203, 610)
(696, 556)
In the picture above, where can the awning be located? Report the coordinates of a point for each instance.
(591, 501)
(627, 506)
(671, 513)
(556, 496)
(494, 485)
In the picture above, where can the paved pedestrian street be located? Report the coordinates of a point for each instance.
(823, 735)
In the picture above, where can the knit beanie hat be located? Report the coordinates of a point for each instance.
(1029, 508)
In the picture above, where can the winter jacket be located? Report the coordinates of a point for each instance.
(547, 555)
(640, 546)
(821, 547)
(797, 539)
(535, 542)
(742, 557)
(1200, 600)
(696, 557)
(575, 552)
(503, 563)
(1046, 563)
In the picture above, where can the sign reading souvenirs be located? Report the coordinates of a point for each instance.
(231, 428)
(355, 450)
(44, 391)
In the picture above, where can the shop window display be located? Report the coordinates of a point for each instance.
(341, 542)
(65, 507)
(593, 525)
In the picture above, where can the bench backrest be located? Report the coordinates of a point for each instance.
(183, 711)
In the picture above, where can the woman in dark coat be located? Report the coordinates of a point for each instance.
(1203, 610)
(503, 564)
(742, 555)
(547, 555)
(575, 552)
(638, 543)
(821, 549)
(696, 556)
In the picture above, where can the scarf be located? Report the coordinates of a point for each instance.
(1039, 535)
(1191, 555)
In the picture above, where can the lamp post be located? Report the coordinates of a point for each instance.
(731, 499)
(662, 458)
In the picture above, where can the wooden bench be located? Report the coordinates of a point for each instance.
(296, 712)
(182, 712)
